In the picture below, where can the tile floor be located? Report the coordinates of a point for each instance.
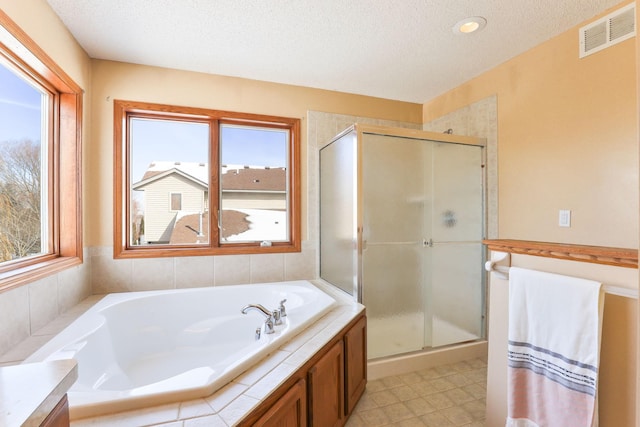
(450, 395)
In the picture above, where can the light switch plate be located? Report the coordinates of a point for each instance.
(564, 218)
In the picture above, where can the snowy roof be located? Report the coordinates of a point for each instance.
(234, 177)
(197, 170)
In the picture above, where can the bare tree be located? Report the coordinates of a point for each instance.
(20, 199)
(137, 221)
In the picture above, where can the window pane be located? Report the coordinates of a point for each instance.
(23, 167)
(169, 182)
(253, 177)
(176, 201)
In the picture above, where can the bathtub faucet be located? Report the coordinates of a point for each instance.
(268, 323)
(283, 310)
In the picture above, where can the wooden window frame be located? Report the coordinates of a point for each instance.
(124, 110)
(65, 167)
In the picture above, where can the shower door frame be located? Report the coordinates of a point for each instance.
(358, 131)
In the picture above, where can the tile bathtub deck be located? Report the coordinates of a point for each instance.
(449, 395)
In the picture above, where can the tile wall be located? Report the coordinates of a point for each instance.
(31, 308)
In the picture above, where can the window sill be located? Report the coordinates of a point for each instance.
(22, 276)
(161, 252)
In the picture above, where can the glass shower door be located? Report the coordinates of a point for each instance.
(455, 300)
(338, 222)
(401, 226)
(393, 210)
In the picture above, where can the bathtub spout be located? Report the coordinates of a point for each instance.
(258, 307)
(268, 323)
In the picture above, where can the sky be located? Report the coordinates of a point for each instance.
(20, 108)
(160, 140)
(154, 140)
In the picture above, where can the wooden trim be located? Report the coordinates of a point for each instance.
(124, 109)
(620, 257)
(37, 62)
(65, 170)
(40, 270)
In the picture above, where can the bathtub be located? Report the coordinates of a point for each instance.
(140, 349)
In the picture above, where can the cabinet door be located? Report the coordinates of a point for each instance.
(326, 389)
(289, 411)
(59, 416)
(355, 342)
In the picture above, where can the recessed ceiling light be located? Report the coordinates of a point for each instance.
(470, 25)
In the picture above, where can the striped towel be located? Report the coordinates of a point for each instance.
(555, 323)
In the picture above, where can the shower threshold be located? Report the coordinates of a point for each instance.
(428, 357)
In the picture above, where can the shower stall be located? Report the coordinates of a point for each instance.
(401, 229)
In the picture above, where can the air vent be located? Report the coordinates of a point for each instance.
(618, 26)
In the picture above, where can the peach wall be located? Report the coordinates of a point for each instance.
(567, 139)
(38, 20)
(637, 391)
(115, 80)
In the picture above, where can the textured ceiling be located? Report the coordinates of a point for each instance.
(397, 49)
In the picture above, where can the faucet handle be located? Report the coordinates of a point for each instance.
(282, 309)
(268, 326)
(277, 317)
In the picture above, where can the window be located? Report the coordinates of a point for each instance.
(232, 180)
(40, 122)
(24, 160)
(175, 201)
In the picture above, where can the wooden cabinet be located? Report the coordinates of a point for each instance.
(355, 349)
(59, 417)
(355, 344)
(289, 410)
(326, 389)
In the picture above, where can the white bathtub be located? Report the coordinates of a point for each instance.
(138, 349)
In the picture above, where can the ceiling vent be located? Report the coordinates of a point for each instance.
(618, 26)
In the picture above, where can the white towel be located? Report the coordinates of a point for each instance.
(555, 324)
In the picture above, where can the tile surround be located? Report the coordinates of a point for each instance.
(194, 272)
(29, 308)
(231, 403)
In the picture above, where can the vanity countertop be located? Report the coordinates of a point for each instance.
(29, 392)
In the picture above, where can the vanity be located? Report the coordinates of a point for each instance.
(324, 391)
(34, 394)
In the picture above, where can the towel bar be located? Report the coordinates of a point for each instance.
(500, 265)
